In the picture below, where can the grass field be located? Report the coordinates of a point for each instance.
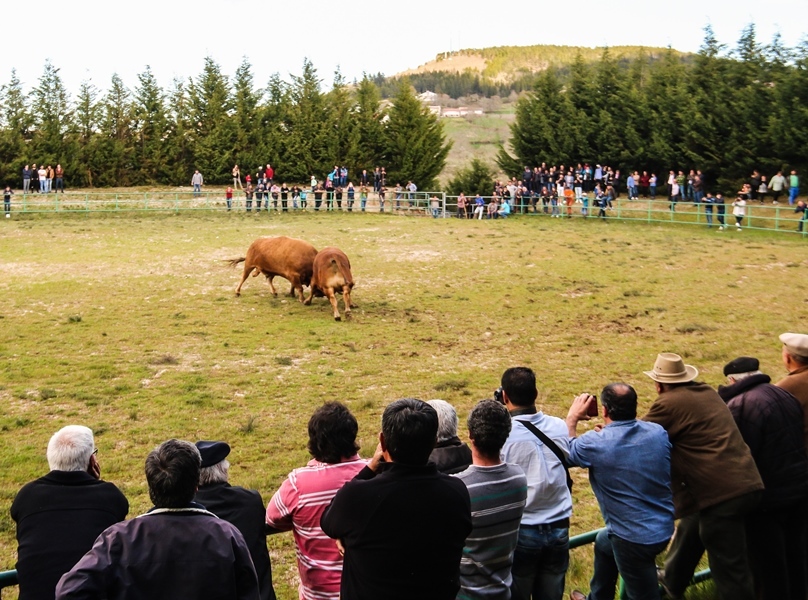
(128, 324)
(476, 137)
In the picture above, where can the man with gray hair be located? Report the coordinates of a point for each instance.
(59, 515)
(450, 455)
(770, 421)
(237, 505)
(176, 550)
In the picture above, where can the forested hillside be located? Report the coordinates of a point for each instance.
(501, 70)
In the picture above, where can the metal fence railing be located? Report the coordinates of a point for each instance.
(768, 217)
(587, 538)
(409, 203)
(9, 578)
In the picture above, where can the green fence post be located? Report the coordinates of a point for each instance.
(650, 208)
(177, 202)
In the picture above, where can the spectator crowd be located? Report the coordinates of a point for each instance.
(428, 516)
(553, 190)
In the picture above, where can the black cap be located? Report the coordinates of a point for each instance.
(744, 364)
(212, 452)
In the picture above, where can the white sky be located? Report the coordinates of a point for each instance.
(91, 40)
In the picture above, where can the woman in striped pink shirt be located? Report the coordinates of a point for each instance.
(307, 492)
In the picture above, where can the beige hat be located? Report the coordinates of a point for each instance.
(669, 368)
(796, 344)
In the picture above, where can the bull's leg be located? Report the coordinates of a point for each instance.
(346, 299)
(307, 301)
(244, 276)
(332, 298)
(271, 286)
(297, 289)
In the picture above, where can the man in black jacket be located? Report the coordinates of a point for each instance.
(401, 523)
(237, 505)
(451, 455)
(176, 550)
(770, 421)
(59, 515)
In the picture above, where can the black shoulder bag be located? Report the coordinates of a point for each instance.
(553, 448)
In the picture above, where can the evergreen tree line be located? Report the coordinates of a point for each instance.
(456, 85)
(726, 112)
(147, 135)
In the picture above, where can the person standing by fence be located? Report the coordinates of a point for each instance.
(236, 178)
(793, 187)
(7, 201)
(60, 179)
(196, 181)
(228, 196)
(26, 179)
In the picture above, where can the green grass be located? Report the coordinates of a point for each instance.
(476, 137)
(164, 349)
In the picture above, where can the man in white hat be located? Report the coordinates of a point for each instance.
(714, 479)
(795, 359)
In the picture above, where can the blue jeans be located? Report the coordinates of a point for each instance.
(540, 562)
(792, 194)
(634, 562)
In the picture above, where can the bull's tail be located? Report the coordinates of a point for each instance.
(346, 277)
(232, 262)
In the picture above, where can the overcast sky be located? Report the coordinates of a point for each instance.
(91, 40)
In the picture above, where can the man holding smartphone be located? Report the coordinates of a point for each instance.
(629, 469)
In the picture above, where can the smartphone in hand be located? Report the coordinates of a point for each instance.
(592, 409)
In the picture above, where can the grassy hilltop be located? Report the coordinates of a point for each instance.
(510, 63)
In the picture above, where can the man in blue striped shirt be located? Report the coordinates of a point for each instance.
(498, 492)
(629, 469)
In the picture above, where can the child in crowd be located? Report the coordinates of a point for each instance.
(7, 200)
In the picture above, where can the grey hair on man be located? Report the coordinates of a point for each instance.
(217, 473)
(71, 448)
(447, 419)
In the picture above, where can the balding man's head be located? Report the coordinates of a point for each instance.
(620, 401)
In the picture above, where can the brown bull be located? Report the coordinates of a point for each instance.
(283, 256)
(332, 273)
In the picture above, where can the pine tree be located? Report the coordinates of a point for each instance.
(247, 128)
(210, 105)
(415, 146)
(179, 142)
(15, 126)
(52, 118)
(476, 178)
(88, 117)
(306, 123)
(117, 145)
(537, 133)
(151, 131)
(340, 108)
(366, 150)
